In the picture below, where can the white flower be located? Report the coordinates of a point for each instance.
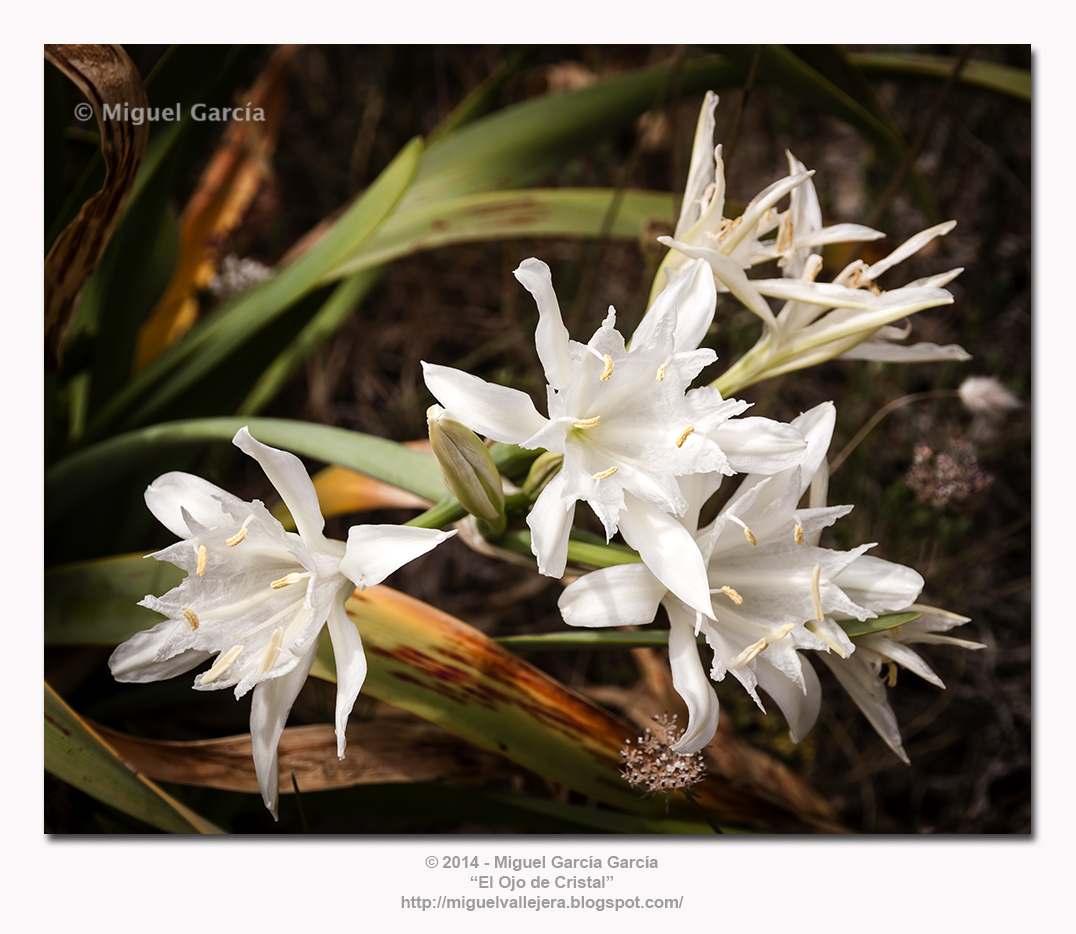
(626, 424)
(257, 597)
(774, 592)
(860, 673)
(987, 397)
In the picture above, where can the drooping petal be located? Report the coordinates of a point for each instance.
(868, 692)
(136, 661)
(350, 666)
(923, 352)
(550, 521)
(894, 651)
(287, 473)
(375, 551)
(878, 584)
(551, 337)
(498, 412)
(701, 170)
(170, 493)
(269, 709)
(799, 706)
(623, 595)
(690, 680)
(906, 249)
(669, 550)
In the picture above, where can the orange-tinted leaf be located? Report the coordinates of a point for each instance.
(108, 78)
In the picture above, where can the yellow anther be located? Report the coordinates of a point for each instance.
(682, 437)
(608, 371)
(661, 373)
(272, 651)
(732, 595)
(816, 592)
(203, 558)
(191, 617)
(236, 539)
(784, 233)
(892, 679)
(812, 267)
(587, 422)
(749, 653)
(287, 579)
(605, 473)
(798, 535)
(748, 534)
(732, 225)
(778, 634)
(224, 662)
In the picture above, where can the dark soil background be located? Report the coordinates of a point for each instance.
(349, 110)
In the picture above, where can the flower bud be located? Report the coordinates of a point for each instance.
(467, 468)
(543, 469)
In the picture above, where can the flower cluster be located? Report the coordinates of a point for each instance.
(257, 597)
(653, 765)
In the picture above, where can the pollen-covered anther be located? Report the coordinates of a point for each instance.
(784, 233)
(892, 679)
(748, 534)
(812, 267)
(236, 539)
(272, 651)
(203, 559)
(587, 422)
(779, 633)
(816, 592)
(223, 663)
(287, 579)
(661, 373)
(605, 473)
(798, 535)
(191, 617)
(683, 436)
(731, 226)
(732, 595)
(608, 369)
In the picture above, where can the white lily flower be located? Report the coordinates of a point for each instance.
(774, 593)
(257, 596)
(861, 674)
(625, 422)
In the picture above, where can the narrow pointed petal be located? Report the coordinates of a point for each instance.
(497, 412)
(868, 692)
(623, 595)
(759, 445)
(136, 660)
(287, 473)
(375, 551)
(759, 205)
(692, 298)
(691, 681)
(894, 651)
(701, 170)
(551, 337)
(350, 666)
(170, 493)
(669, 550)
(924, 352)
(906, 249)
(799, 706)
(550, 521)
(881, 585)
(269, 711)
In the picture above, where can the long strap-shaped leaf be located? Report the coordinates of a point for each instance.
(75, 753)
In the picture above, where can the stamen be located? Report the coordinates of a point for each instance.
(605, 473)
(608, 371)
(224, 662)
(661, 373)
(798, 535)
(732, 595)
(812, 267)
(816, 592)
(203, 558)
(821, 633)
(784, 233)
(292, 578)
(778, 634)
(272, 652)
(892, 679)
(748, 534)
(587, 422)
(731, 226)
(683, 436)
(236, 539)
(749, 653)
(191, 617)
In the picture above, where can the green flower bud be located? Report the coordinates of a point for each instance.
(467, 468)
(544, 469)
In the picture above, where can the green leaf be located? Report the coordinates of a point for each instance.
(855, 627)
(79, 474)
(213, 340)
(581, 551)
(1003, 79)
(78, 756)
(587, 639)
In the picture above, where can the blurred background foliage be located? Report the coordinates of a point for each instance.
(215, 210)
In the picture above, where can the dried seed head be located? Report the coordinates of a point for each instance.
(651, 764)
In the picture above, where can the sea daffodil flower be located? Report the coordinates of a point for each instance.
(774, 592)
(257, 596)
(624, 421)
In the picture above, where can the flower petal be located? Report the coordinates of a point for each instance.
(375, 551)
(287, 473)
(550, 521)
(668, 550)
(690, 680)
(701, 171)
(497, 412)
(880, 585)
(924, 352)
(759, 445)
(350, 665)
(170, 493)
(799, 706)
(269, 711)
(136, 661)
(869, 694)
(551, 337)
(692, 298)
(623, 595)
